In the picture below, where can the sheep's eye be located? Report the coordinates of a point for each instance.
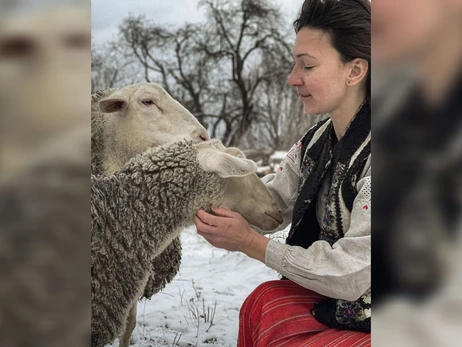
(148, 102)
(17, 47)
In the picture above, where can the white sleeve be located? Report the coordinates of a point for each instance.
(340, 271)
(283, 185)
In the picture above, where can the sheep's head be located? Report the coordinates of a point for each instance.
(144, 115)
(245, 193)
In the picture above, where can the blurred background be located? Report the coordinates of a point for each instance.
(44, 173)
(417, 179)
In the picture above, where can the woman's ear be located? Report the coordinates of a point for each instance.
(358, 71)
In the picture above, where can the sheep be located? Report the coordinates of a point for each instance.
(140, 209)
(124, 123)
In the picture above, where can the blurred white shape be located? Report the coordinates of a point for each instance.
(435, 322)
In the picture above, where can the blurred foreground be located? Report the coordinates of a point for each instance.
(417, 127)
(44, 176)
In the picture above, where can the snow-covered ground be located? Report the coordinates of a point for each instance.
(200, 307)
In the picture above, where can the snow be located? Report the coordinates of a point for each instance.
(276, 159)
(263, 168)
(211, 281)
(278, 155)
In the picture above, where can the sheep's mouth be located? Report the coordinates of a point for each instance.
(277, 218)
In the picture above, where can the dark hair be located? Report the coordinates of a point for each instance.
(348, 24)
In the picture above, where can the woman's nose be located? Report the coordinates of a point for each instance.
(294, 79)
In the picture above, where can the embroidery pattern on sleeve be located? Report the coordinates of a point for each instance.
(292, 155)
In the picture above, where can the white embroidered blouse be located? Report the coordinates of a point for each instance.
(340, 271)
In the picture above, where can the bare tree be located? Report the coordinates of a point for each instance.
(215, 68)
(111, 67)
(281, 118)
(171, 57)
(244, 32)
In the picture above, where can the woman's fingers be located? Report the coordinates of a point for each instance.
(208, 218)
(224, 212)
(203, 227)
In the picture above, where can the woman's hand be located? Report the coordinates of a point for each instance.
(229, 230)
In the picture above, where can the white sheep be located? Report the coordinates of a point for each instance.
(140, 209)
(126, 122)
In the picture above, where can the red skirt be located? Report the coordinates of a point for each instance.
(278, 313)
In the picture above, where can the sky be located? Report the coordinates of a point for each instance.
(107, 15)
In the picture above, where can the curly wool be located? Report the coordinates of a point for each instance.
(164, 268)
(136, 213)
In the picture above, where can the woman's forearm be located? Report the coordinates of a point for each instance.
(255, 246)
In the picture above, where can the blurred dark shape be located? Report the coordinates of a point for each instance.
(45, 176)
(17, 46)
(417, 193)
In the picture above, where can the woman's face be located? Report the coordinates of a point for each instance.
(319, 75)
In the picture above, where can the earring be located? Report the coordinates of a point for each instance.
(348, 82)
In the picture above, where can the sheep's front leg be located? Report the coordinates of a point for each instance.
(129, 327)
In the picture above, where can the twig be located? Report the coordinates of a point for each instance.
(181, 296)
(212, 316)
(176, 339)
(203, 310)
(198, 293)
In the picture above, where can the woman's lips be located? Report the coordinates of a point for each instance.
(304, 96)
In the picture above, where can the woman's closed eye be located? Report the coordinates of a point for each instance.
(308, 67)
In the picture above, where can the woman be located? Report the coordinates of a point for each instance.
(323, 189)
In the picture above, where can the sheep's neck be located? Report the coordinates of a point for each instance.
(117, 150)
(165, 190)
(208, 192)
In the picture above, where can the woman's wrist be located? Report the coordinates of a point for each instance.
(255, 246)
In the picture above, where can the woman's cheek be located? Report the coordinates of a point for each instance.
(313, 85)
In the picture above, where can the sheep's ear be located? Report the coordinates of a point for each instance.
(235, 152)
(224, 164)
(114, 103)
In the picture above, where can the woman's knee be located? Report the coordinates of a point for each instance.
(260, 295)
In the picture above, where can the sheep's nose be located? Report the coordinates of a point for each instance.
(204, 136)
(275, 213)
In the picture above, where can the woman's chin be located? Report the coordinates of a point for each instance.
(310, 110)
